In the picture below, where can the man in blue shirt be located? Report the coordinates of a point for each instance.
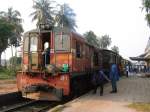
(99, 78)
(114, 77)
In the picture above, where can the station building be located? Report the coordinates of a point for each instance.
(144, 58)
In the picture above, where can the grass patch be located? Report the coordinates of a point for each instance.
(142, 107)
(7, 73)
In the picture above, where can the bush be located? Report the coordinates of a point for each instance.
(6, 73)
(15, 60)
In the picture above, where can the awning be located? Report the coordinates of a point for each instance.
(140, 58)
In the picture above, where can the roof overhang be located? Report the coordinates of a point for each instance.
(139, 59)
(142, 57)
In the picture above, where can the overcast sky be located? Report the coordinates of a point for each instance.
(122, 20)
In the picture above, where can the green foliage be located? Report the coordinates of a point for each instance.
(15, 63)
(6, 73)
(5, 33)
(146, 6)
(65, 17)
(91, 38)
(13, 17)
(10, 29)
(6, 30)
(115, 49)
(50, 13)
(148, 19)
(104, 41)
(15, 60)
(43, 12)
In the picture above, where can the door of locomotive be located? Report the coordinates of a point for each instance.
(45, 46)
(33, 51)
(34, 48)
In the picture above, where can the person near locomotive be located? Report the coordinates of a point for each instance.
(114, 77)
(99, 78)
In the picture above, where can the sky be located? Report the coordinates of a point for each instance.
(122, 20)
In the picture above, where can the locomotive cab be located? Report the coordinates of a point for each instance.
(36, 50)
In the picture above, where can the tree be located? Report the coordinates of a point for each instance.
(66, 17)
(91, 38)
(43, 12)
(115, 49)
(146, 6)
(104, 41)
(6, 30)
(13, 17)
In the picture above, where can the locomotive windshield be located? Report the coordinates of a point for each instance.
(62, 42)
(33, 43)
(26, 44)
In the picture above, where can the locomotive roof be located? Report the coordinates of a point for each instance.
(77, 36)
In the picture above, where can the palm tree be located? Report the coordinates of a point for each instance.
(43, 12)
(11, 15)
(146, 6)
(14, 18)
(104, 41)
(66, 17)
(5, 33)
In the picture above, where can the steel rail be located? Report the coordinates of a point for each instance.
(18, 106)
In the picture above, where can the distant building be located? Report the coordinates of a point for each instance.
(145, 57)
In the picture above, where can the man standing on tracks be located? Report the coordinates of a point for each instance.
(114, 77)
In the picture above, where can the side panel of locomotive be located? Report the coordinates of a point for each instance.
(85, 60)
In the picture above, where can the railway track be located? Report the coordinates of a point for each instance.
(13, 102)
(31, 106)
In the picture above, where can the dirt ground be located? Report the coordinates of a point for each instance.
(130, 90)
(8, 86)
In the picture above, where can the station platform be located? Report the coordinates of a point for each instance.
(131, 89)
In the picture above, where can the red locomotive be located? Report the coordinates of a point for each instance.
(58, 63)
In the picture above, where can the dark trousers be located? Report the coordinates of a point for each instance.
(101, 85)
(114, 85)
(127, 73)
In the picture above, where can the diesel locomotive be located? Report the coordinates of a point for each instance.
(58, 63)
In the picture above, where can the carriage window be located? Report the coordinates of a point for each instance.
(62, 42)
(26, 42)
(78, 50)
(33, 43)
(95, 59)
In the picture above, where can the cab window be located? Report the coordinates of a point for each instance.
(95, 59)
(26, 42)
(62, 42)
(78, 50)
(33, 44)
